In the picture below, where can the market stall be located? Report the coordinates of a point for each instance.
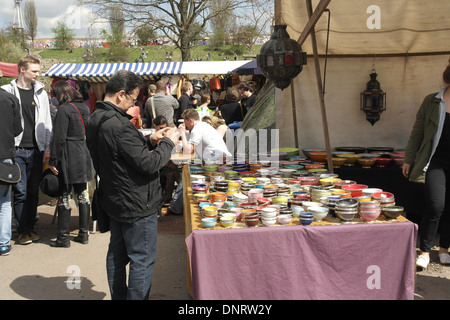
(330, 258)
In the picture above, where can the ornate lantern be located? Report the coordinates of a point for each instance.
(281, 59)
(373, 100)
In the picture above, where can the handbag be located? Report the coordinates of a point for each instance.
(98, 213)
(9, 173)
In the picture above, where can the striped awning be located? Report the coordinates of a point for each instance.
(101, 72)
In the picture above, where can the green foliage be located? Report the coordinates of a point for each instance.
(10, 51)
(63, 36)
(155, 53)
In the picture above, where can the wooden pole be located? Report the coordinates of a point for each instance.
(320, 87)
(294, 114)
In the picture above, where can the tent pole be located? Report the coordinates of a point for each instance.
(294, 114)
(320, 88)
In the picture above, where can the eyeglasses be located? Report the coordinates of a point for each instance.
(134, 101)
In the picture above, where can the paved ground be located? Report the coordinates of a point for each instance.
(40, 272)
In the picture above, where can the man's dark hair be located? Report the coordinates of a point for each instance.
(123, 80)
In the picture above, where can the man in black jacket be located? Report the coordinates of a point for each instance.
(128, 166)
(10, 127)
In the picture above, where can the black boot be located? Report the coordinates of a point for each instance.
(63, 238)
(84, 210)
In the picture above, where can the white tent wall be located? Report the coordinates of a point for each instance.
(410, 51)
(406, 80)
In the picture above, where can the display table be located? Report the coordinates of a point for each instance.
(325, 260)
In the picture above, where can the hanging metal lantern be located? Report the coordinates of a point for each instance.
(281, 59)
(373, 100)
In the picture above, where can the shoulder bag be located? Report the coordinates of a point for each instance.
(9, 173)
(98, 214)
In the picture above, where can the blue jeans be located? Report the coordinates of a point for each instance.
(26, 192)
(135, 243)
(5, 212)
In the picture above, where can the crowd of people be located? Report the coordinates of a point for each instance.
(57, 134)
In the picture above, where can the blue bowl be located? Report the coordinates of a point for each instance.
(306, 218)
(209, 222)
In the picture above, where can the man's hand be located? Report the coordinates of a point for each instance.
(173, 135)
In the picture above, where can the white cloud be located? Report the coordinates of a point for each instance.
(50, 12)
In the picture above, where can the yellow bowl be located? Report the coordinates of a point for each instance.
(329, 181)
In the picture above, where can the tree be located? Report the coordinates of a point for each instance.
(117, 50)
(10, 50)
(175, 19)
(31, 20)
(63, 35)
(145, 35)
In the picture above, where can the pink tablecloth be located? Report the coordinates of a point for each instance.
(361, 261)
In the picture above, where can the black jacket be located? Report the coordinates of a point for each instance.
(10, 124)
(128, 166)
(231, 112)
(68, 149)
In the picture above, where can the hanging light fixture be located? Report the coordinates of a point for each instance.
(373, 99)
(281, 59)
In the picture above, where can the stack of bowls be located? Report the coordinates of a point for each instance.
(385, 198)
(198, 179)
(306, 218)
(262, 181)
(204, 204)
(211, 168)
(346, 209)
(296, 211)
(210, 212)
(201, 197)
(317, 192)
(237, 211)
(392, 212)
(330, 203)
(308, 180)
(199, 188)
(247, 186)
(230, 174)
(270, 191)
(221, 186)
(254, 194)
(251, 217)
(227, 220)
(239, 199)
(269, 216)
(370, 210)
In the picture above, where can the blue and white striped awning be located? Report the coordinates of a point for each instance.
(101, 72)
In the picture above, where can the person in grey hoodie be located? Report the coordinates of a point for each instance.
(32, 146)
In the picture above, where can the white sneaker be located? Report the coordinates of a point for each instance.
(444, 258)
(422, 261)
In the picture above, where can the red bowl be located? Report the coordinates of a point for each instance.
(355, 189)
(382, 195)
(382, 162)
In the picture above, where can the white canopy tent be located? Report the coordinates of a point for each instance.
(406, 41)
(101, 72)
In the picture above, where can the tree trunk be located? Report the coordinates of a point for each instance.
(185, 47)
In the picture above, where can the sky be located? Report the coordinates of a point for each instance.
(49, 12)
